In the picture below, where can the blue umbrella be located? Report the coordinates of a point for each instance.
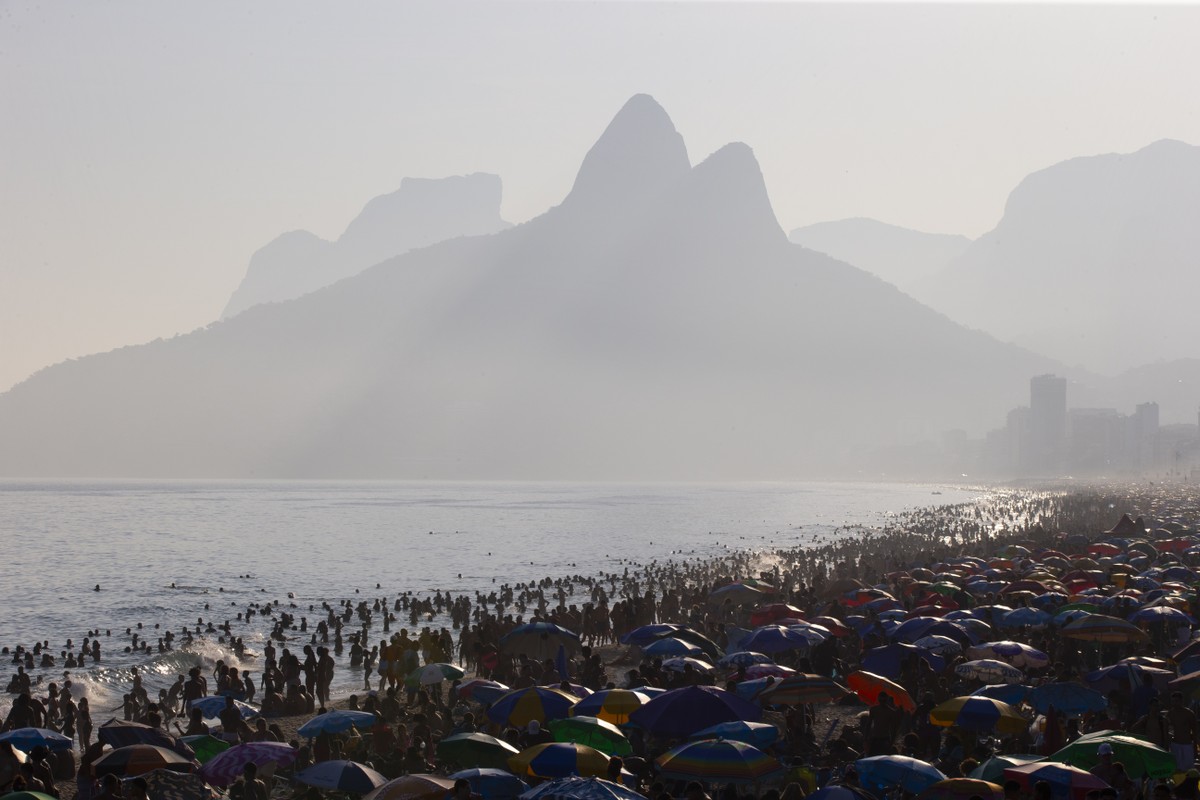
(212, 705)
(774, 639)
(1011, 693)
(493, 784)
(836, 791)
(28, 738)
(879, 773)
(640, 637)
(1024, 617)
(682, 712)
(336, 722)
(759, 734)
(576, 788)
(670, 646)
(751, 688)
(1068, 697)
(745, 658)
(342, 776)
(886, 660)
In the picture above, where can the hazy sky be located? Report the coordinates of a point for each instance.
(148, 148)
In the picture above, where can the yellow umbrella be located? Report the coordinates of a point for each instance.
(558, 760)
(978, 713)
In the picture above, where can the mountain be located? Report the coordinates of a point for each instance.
(420, 213)
(1090, 262)
(898, 255)
(656, 324)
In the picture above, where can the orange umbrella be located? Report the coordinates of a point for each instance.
(869, 686)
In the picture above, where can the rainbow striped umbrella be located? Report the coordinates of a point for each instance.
(975, 713)
(522, 706)
(226, 767)
(803, 688)
(718, 760)
(1103, 628)
(611, 705)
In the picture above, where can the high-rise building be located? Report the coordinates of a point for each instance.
(1047, 425)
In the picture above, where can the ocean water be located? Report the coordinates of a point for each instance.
(228, 544)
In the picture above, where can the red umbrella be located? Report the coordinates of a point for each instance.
(773, 612)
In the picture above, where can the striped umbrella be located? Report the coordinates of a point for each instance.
(1021, 656)
(476, 750)
(558, 760)
(594, 732)
(870, 687)
(611, 705)
(1103, 628)
(576, 788)
(718, 760)
(342, 776)
(136, 759)
(226, 767)
(962, 789)
(417, 786)
(989, 670)
(975, 713)
(522, 706)
(759, 734)
(804, 688)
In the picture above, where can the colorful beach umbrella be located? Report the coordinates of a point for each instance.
(1066, 782)
(759, 734)
(482, 690)
(611, 705)
(558, 760)
(978, 714)
(1018, 654)
(341, 776)
(682, 712)
(962, 789)
(224, 768)
(881, 773)
(521, 706)
(993, 768)
(1142, 759)
(803, 688)
(870, 687)
(418, 786)
(718, 761)
(592, 731)
(136, 759)
(476, 750)
(119, 733)
(1103, 628)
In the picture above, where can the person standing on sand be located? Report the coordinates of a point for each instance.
(325, 666)
(83, 722)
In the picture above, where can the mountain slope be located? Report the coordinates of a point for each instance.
(897, 255)
(656, 324)
(420, 213)
(1089, 262)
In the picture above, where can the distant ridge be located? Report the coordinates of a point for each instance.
(655, 325)
(420, 213)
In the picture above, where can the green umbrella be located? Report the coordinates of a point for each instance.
(1091, 608)
(470, 750)
(993, 768)
(1140, 757)
(592, 731)
(205, 746)
(431, 674)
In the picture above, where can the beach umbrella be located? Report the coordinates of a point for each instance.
(1162, 614)
(336, 722)
(119, 733)
(205, 746)
(682, 712)
(431, 674)
(1011, 693)
(739, 594)
(418, 786)
(571, 688)
(887, 660)
(837, 791)
(835, 626)
(718, 761)
(670, 646)
(880, 773)
(214, 704)
(765, 671)
(539, 640)
(942, 645)
(136, 759)
(1018, 654)
(1102, 628)
(989, 670)
(1068, 697)
(803, 688)
(482, 690)
(341, 776)
(774, 639)
(611, 705)
(492, 784)
(993, 768)
(744, 658)
(24, 795)
(576, 788)
(1127, 676)
(975, 713)
(521, 706)
(759, 734)
(962, 789)
(775, 611)
(1025, 617)
(869, 687)
(640, 637)
(28, 738)
(226, 767)
(162, 784)
(1066, 782)
(750, 689)
(1140, 757)
(476, 750)
(682, 663)
(558, 760)
(592, 731)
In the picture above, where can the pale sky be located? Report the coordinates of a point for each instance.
(148, 148)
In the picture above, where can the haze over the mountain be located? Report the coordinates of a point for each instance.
(421, 212)
(898, 255)
(1094, 262)
(656, 324)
